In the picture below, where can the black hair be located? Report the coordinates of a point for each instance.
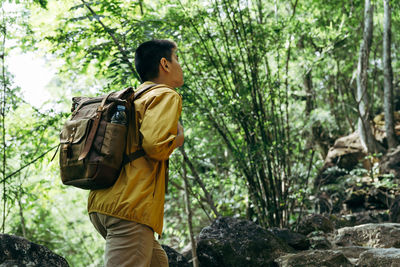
(148, 56)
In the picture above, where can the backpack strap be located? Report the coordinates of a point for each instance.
(142, 91)
(139, 153)
(131, 157)
(94, 128)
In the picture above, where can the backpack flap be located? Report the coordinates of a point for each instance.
(72, 140)
(74, 131)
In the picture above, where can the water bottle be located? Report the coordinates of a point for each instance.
(119, 116)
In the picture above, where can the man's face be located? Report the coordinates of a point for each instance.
(176, 70)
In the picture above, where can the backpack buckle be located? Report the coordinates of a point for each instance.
(67, 150)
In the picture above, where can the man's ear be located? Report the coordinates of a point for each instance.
(164, 64)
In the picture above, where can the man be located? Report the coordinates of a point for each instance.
(128, 213)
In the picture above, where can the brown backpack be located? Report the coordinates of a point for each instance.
(92, 148)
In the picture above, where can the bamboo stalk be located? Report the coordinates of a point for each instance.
(3, 126)
(189, 216)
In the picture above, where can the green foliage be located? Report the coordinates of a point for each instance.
(268, 88)
(42, 3)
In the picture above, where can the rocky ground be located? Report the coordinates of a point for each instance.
(16, 251)
(371, 244)
(235, 242)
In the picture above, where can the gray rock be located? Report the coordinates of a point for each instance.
(390, 163)
(16, 251)
(356, 200)
(353, 251)
(233, 242)
(346, 152)
(380, 257)
(175, 259)
(315, 222)
(315, 258)
(187, 251)
(320, 242)
(295, 240)
(384, 235)
(366, 196)
(394, 212)
(358, 218)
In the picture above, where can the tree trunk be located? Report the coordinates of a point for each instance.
(21, 212)
(388, 77)
(190, 215)
(364, 126)
(317, 131)
(3, 127)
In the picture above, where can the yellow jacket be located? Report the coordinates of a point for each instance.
(138, 194)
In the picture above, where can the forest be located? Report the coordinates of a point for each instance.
(270, 85)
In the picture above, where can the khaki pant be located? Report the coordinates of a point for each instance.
(128, 244)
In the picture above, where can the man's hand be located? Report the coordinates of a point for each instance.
(180, 138)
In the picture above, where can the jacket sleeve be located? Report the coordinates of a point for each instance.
(159, 126)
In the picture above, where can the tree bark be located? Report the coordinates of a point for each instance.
(388, 77)
(364, 126)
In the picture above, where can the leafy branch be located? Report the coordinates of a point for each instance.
(125, 55)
